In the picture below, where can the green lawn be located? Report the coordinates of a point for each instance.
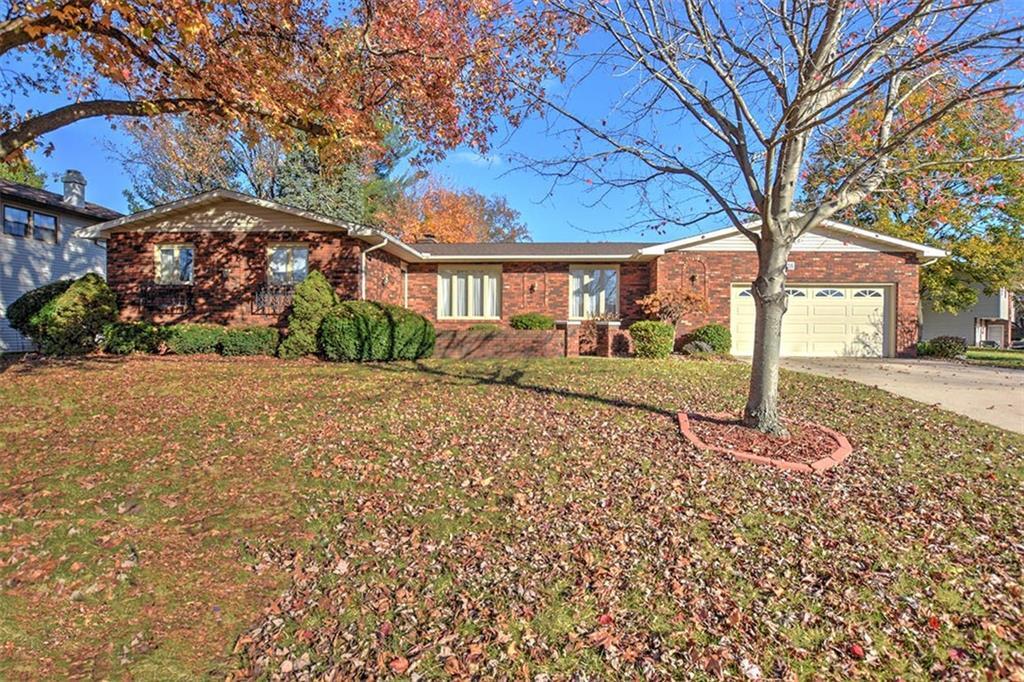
(996, 357)
(170, 518)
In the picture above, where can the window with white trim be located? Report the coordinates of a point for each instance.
(287, 263)
(868, 293)
(829, 293)
(174, 263)
(796, 293)
(593, 292)
(44, 227)
(746, 293)
(468, 293)
(16, 221)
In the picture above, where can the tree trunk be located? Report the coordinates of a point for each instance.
(769, 290)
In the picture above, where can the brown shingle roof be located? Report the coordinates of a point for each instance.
(532, 249)
(42, 197)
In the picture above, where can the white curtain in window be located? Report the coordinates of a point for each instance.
(470, 294)
(300, 263)
(593, 292)
(278, 265)
(167, 268)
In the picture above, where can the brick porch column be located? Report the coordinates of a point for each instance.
(606, 331)
(572, 336)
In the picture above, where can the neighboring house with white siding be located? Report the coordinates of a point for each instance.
(990, 319)
(38, 244)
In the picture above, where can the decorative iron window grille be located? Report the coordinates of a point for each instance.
(272, 299)
(166, 297)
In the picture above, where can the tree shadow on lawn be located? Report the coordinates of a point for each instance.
(513, 377)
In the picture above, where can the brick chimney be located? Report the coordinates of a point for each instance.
(74, 188)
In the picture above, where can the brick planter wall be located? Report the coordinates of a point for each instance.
(458, 344)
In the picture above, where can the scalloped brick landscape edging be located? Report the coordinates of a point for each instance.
(842, 451)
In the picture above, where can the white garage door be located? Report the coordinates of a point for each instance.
(821, 321)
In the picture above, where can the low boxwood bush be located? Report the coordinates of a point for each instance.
(652, 339)
(715, 335)
(72, 322)
(945, 347)
(125, 338)
(367, 331)
(189, 339)
(531, 321)
(19, 314)
(249, 341)
(484, 327)
(314, 298)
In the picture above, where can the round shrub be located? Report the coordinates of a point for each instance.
(249, 341)
(652, 339)
(189, 339)
(715, 335)
(71, 323)
(314, 298)
(19, 314)
(946, 347)
(125, 338)
(367, 331)
(531, 321)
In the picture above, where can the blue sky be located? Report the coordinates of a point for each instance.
(563, 216)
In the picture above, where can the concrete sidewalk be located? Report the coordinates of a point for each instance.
(988, 394)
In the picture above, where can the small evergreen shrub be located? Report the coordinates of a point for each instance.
(314, 298)
(125, 338)
(71, 323)
(531, 321)
(923, 349)
(19, 314)
(249, 341)
(190, 339)
(366, 331)
(715, 335)
(484, 327)
(946, 347)
(652, 339)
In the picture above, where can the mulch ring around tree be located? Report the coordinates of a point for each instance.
(808, 448)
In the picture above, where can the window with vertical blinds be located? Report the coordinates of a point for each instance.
(469, 293)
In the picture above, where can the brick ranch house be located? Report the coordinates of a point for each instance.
(230, 258)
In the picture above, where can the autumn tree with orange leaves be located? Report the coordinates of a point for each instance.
(434, 209)
(441, 67)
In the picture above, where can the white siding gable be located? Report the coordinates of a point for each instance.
(821, 239)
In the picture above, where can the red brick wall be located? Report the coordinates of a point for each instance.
(716, 272)
(506, 343)
(384, 278)
(228, 267)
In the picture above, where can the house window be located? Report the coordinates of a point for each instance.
(174, 263)
(44, 227)
(868, 293)
(287, 264)
(796, 293)
(16, 221)
(469, 293)
(593, 292)
(829, 293)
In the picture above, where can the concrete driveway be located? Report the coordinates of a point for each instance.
(988, 394)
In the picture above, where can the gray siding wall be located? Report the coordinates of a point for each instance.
(963, 324)
(26, 263)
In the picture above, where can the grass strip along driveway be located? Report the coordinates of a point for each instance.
(1012, 359)
(169, 518)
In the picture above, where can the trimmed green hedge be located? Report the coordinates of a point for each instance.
(19, 314)
(943, 347)
(249, 341)
(652, 339)
(125, 338)
(190, 339)
(531, 321)
(72, 322)
(715, 335)
(314, 298)
(367, 331)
